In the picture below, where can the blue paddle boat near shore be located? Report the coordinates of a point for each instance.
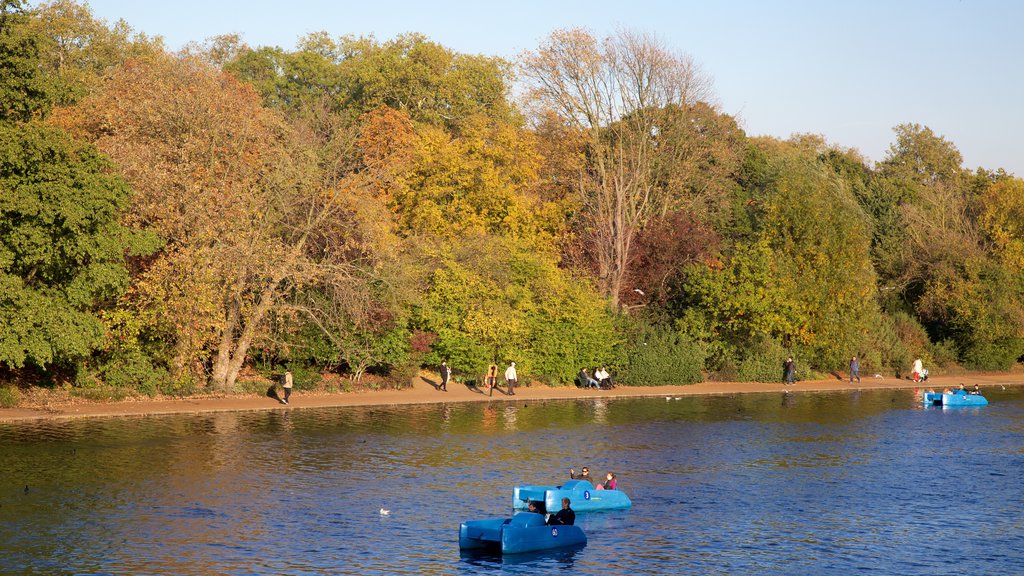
(958, 398)
(582, 494)
(523, 532)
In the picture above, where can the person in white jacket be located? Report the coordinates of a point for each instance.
(511, 379)
(917, 370)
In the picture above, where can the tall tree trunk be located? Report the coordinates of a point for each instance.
(218, 379)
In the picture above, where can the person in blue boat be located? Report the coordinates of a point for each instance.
(976, 390)
(564, 517)
(609, 483)
(583, 475)
(535, 507)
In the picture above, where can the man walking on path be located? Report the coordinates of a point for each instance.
(854, 370)
(790, 369)
(445, 375)
(510, 378)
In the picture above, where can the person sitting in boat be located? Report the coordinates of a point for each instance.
(961, 390)
(584, 475)
(535, 507)
(609, 484)
(947, 391)
(565, 516)
(976, 390)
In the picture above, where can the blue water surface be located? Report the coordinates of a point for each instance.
(748, 484)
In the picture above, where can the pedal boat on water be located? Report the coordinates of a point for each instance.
(954, 399)
(523, 532)
(584, 497)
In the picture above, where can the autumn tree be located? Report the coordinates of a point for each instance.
(77, 49)
(227, 184)
(625, 101)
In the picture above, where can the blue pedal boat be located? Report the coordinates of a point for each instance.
(581, 494)
(958, 398)
(523, 532)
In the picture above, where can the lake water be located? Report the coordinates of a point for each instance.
(747, 484)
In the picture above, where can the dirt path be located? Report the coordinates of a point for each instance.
(424, 391)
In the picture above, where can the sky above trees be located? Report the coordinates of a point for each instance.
(848, 71)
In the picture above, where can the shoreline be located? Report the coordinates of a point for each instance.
(424, 391)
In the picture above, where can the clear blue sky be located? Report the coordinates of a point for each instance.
(844, 69)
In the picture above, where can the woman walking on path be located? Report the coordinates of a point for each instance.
(287, 385)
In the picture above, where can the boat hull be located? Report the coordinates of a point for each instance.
(957, 399)
(524, 532)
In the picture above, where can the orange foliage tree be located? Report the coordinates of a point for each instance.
(232, 190)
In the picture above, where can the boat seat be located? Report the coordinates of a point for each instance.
(527, 519)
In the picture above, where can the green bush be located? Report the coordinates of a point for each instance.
(133, 370)
(658, 356)
(999, 355)
(9, 397)
(304, 377)
(763, 363)
(944, 354)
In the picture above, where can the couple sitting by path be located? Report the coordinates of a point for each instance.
(600, 379)
(610, 482)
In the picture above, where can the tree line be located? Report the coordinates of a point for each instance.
(169, 220)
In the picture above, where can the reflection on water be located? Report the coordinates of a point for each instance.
(795, 484)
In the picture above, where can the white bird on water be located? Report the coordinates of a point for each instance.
(384, 512)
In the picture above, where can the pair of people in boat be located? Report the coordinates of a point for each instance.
(564, 517)
(610, 482)
(960, 390)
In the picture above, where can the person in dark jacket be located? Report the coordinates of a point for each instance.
(445, 375)
(854, 369)
(790, 370)
(565, 516)
(584, 475)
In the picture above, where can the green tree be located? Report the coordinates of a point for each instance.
(802, 274)
(62, 249)
(498, 299)
(25, 91)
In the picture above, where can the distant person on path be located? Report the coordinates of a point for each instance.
(445, 375)
(789, 368)
(917, 370)
(491, 380)
(854, 370)
(287, 383)
(583, 475)
(510, 378)
(565, 516)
